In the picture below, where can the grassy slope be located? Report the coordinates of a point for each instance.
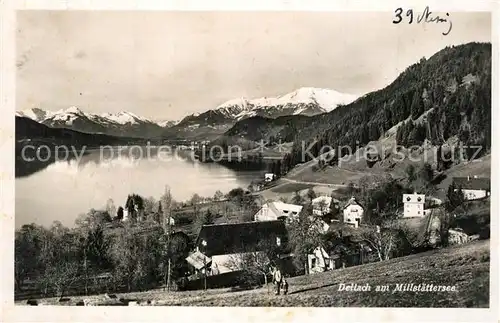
(465, 266)
(353, 170)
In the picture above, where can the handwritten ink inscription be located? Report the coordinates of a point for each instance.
(426, 17)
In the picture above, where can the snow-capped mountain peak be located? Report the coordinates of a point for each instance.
(167, 123)
(74, 110)
(124, 117)
(305, 100)
(36, 114)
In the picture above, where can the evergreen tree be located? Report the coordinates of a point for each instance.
(455, 197)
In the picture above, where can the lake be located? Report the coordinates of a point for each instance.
(61, 190)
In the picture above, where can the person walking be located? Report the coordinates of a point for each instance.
(284, 286)
(277, 280)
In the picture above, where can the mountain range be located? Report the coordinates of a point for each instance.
(306, 101)
(208, 124)
(118, 124)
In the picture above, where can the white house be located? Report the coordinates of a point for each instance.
(269, 177)
(319, 261)
(473, 188)
(353, 213)
(277, 210)
(413, 205)
(172, 221)
(321, 205)
(125, 215)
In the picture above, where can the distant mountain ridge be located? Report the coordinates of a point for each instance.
(122, 123)
(306, 101)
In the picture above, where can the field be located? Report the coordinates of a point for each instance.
(466, 267)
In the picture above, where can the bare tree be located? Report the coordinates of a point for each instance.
(218, 196)
(383, 241)
(255, 263)
(61, 275)
(111, 208)
(166, 204)
(166, 200)
(150, 205)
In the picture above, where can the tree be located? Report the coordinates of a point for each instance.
(179, 248)
(61, 275)
(283, 199)
(445, 221)
(93, 248)
(322, 206)
(426, 173)
(297, 198)
(61, 259)
(111, 208)
(454, 197)
(166, 208)
(96, 246)
(383, 241)
(311, 195)
(236, 195)
(195, 199)
(150, 205)
(134, 206)
(204, 219)
(253, 264)
(119, 213)
(256, 263)
(28, 245)
(335, 210)
(410, 172)
(136, 259)
(218, 195)
(305, 234)
(92, 219)
(166, 204)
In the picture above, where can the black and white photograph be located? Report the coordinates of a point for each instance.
(253, 158)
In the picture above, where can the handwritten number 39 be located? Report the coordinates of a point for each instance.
(398, 18)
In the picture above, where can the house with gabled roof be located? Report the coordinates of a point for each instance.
(277, 210)
(322, 204)
(221, 248)
(345, 251)
(353, 212)
(473, 187)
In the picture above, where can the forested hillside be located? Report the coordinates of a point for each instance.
(268, 129)
(453, 89)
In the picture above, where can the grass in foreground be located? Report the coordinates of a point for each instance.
(466, 267)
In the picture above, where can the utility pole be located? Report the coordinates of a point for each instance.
(204, 244)
(167, 200)
(85, 266)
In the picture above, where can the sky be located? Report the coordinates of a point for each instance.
(166, 65)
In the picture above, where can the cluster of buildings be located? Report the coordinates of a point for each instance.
(222, 249)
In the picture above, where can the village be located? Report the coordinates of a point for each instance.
(310, 234)
(224, 252)
(223, 248)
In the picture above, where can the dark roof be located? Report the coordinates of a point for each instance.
(472, 183)
(223, 239)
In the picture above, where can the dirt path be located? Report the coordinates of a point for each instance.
(310, 183)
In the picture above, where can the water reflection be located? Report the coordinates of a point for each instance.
(63, 189)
